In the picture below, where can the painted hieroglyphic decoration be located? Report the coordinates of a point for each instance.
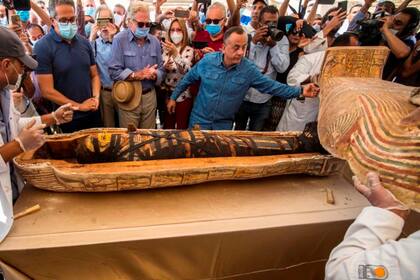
(62, 172)
(359, 120)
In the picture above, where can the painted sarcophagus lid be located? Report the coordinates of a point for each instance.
(361, 120)
(99, 160)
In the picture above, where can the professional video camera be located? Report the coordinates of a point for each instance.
(274, 33)
(370, 29)
(19, 5)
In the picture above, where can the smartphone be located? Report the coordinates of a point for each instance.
(102, 22)
(163, 39)
(22, 5)
(343, 5)
(200, 45)
(182, 13)
(326, 2)
(15, 19)
(19, 83)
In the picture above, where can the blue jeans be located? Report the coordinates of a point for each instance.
(257, 113)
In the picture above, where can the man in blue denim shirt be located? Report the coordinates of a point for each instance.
(225, 79)
(137, 56)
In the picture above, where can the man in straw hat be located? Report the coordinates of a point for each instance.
(137, 59)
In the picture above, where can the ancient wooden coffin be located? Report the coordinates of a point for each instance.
(360, 120)
(56, 166)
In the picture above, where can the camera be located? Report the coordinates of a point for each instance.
(274, 33)
(370, 33)
(370, 30)
(18, 5)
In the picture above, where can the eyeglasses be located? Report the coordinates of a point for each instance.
(294, 32)
(215, 21)
(176, 30)
(142, 24)
(67, 20)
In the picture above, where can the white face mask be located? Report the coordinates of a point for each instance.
(317, 27)
(3, 21)
(176, 37)
(166, 24)
(18, 81)
(118, 19)
(393, 31)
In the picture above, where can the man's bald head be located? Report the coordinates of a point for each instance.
(216, 10)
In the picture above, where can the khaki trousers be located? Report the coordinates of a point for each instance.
(144, 116)
(108, 108)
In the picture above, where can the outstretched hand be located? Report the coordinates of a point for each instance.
(310, 90)
(379, 196)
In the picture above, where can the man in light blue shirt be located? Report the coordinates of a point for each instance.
(137, 57)
(271, 57)
(102, 48)
(224, 79)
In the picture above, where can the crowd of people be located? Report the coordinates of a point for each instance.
(74, 66)
(183, 70)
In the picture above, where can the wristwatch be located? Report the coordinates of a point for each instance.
(301, 97)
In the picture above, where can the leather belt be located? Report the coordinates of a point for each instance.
(106, 89)
(146, 91)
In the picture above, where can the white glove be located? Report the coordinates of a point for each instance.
(31, 137)
(376, 194)
(64, 114)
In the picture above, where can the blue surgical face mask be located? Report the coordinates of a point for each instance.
(24, 15)
(213, 29)
(141, 32)
(3, 21)
(88, 28)
(90, 11)
(202, 17)
(67, 30)
(34, 42)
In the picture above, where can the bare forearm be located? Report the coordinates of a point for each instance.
(96, 86)
(41, 13)
(312, 13)
(403, 5)
(398, 48)
(158, 9)
(235, 19)
(56, 97)
(365, 8)
(283, 8)
(231, 6)
(48, 119)
(9, 150)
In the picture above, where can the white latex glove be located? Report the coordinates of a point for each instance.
(379, 196)
(64, 114)
(31, 137)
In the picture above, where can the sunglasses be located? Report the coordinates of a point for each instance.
(215, 21)
(67, 20)
(143, 24)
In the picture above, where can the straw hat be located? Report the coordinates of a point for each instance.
(127, 94)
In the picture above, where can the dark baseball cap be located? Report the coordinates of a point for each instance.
(11, 46)
(262, 1)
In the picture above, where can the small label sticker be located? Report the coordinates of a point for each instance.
(375, 272)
